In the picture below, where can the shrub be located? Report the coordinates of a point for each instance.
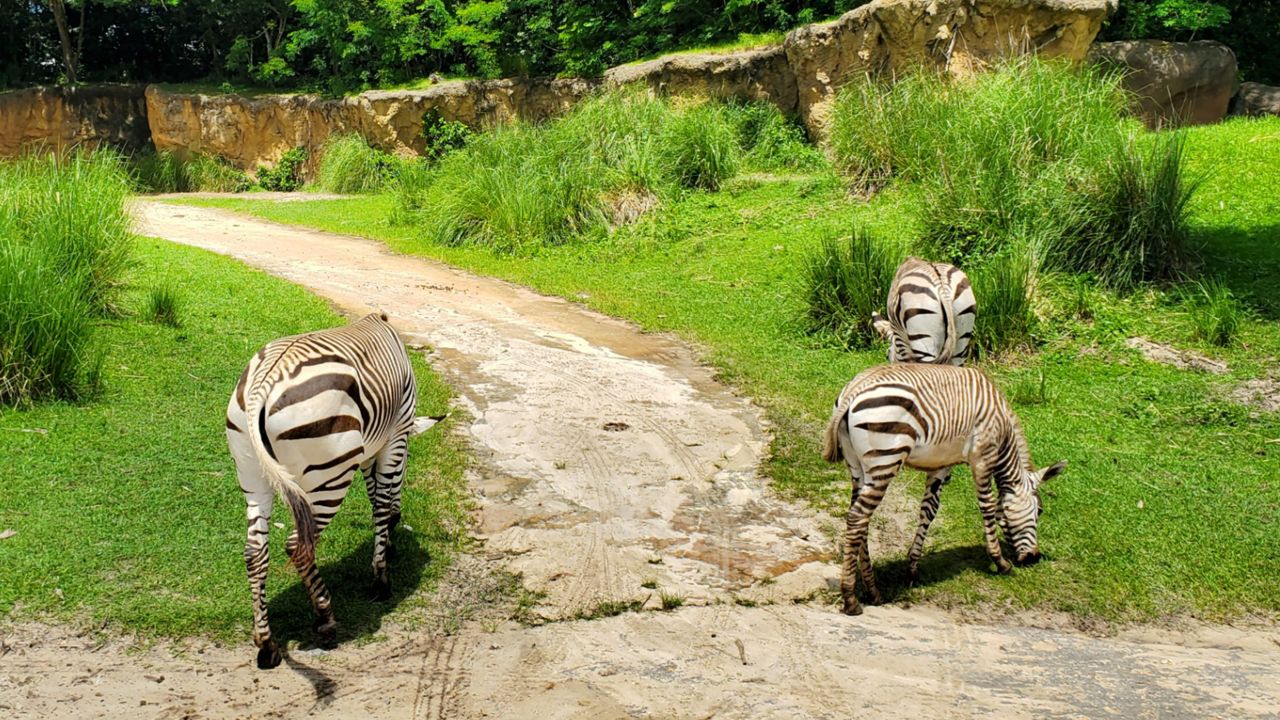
(700, 147)
(165, 172)
(64, 247)
(163, 305)
(612, 158)
(770, 141)
(286, 176)
(1033, 144)
(349, 165)
(1003, 285)
(1216, 315)
(845, 281)
(441, 137)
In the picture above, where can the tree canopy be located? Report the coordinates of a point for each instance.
(346, 45)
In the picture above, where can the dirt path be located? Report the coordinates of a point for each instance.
(610, 460)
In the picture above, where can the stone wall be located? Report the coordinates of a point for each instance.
(1189, 83)
(800, 76)
(61, 118)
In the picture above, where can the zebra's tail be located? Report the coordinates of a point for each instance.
(831, 440)
(946, 298)
(304, 520)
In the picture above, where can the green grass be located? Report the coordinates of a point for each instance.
(64, 249)
(165, 172)
(1170, 505)
(127, 509)
(349, 165)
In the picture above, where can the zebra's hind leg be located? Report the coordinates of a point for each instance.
(386, 484)
(257, 561)
(928, 511)
(325, 500)
(867, 496)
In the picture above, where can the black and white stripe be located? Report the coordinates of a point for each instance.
(308, 412)
(932, 417)
(931, 313)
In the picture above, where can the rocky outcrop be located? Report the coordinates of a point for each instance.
(60, 118)
(1256, 99)
(753, 74)
(800, 76)
(249, 131)
(959, 36)
(1174, 83)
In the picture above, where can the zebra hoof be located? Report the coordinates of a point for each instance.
(327, 633)
(268, 655)
(1003, 567)
(381, 590)
(913, 577)
(852, 608)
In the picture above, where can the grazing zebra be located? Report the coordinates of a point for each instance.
(308, 412)
(931, 314)
(932, 417)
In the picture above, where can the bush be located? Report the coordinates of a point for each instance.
(1216, 315)
(613, 157)
(845, 281)
(349, 165)
(286, 176)
(1003, 286)
(770, 141)
(64, 247)
(165, 172)
(1031, 145)
(441, 137)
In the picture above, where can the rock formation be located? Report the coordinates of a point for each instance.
(60, 118)
(1175, 83)
(1256, 99)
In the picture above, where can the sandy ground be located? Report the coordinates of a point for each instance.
(609, 459)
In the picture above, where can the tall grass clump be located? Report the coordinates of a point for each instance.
(349, 165)
(846, 279)
(163, 305)
(64, 248)
(1031, 144)
(165, 172)
(613, 157)
(1216, 314)
(1004, 286)
(771, 141)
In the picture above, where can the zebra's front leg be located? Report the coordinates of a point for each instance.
(384, 488)
(989, 506)
(934, 483)
(257, 561)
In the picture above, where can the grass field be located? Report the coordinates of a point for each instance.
(126, 507)
(1170, 507)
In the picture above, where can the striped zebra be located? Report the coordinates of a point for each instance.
(931, 417)
(931, 314)
(309, 411)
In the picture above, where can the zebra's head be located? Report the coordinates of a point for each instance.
(1022, 508)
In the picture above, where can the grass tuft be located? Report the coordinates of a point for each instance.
(349, 165)
(846, 279)
(163, 305)
(166, 172)
(1216, 315)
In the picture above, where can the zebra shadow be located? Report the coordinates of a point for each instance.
(893, 578)
(350, 582)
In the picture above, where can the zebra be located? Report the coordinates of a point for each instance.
(308, 411)
(930, 315)
(931, 312)
(932, 417)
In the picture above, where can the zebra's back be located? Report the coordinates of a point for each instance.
(931, 313)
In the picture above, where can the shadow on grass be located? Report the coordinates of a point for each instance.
(1247, 261)
(935, 567)
(350, 583)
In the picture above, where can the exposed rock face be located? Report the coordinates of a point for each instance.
(252, 131)
(957, 35)
(754, 74)
(1256, 99)
(800, 76)
(1175, 83)
(59, 118)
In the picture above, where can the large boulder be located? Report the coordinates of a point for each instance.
(1174, 83)
(752, 74)
(60, 118)
(958, 36)
(1256, 99)
(251, 131)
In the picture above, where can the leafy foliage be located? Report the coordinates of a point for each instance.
(441, 136)
(287, 173)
